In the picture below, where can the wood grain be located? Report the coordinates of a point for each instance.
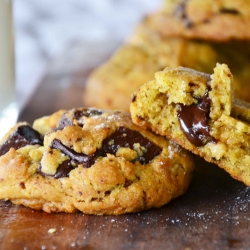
(213, 214)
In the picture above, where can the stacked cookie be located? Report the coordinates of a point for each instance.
(190, 33)
(108, 162)
(198, 111)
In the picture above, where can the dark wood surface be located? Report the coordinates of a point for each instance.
(213, 214)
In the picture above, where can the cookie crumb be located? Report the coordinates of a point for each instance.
(52, 230)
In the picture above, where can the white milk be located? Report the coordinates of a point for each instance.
(8, 107)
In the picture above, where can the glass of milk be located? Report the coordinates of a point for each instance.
(8, 105)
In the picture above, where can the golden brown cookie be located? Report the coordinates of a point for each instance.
(111, 85)
(194, 34)
(183, 33)
(196, 12)
(90, 160)
(215, 20)
(196, 111)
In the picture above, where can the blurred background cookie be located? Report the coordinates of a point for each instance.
(156, 44)
(210, 19)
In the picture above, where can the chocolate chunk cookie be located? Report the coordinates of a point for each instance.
(214, 20)
(91, 160)
(198, 112)
(111, 85)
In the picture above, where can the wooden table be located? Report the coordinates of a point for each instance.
(213, 214)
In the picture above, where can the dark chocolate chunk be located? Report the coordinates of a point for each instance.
(63, 169)
(194, 120)
(77, 115)
(78, 158)
(86, 112)
(125, 137)
(63, 122)
(22, 136)
(75, 158)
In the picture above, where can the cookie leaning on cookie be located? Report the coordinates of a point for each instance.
(90, 160)
(197, 111)
(219, 33)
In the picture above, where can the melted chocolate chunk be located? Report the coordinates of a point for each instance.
(79, 113)
(194, 120)
(125, 137)
(77, 158)
(64, 169)
(24, 135)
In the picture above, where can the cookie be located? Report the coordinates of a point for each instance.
(194, 34)
(202, 55)
(194, 19)
(196, 11)
(112, 84)
(198, 112)
(93, 161)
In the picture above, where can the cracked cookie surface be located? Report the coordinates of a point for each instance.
(90, 160)
(198, 111)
